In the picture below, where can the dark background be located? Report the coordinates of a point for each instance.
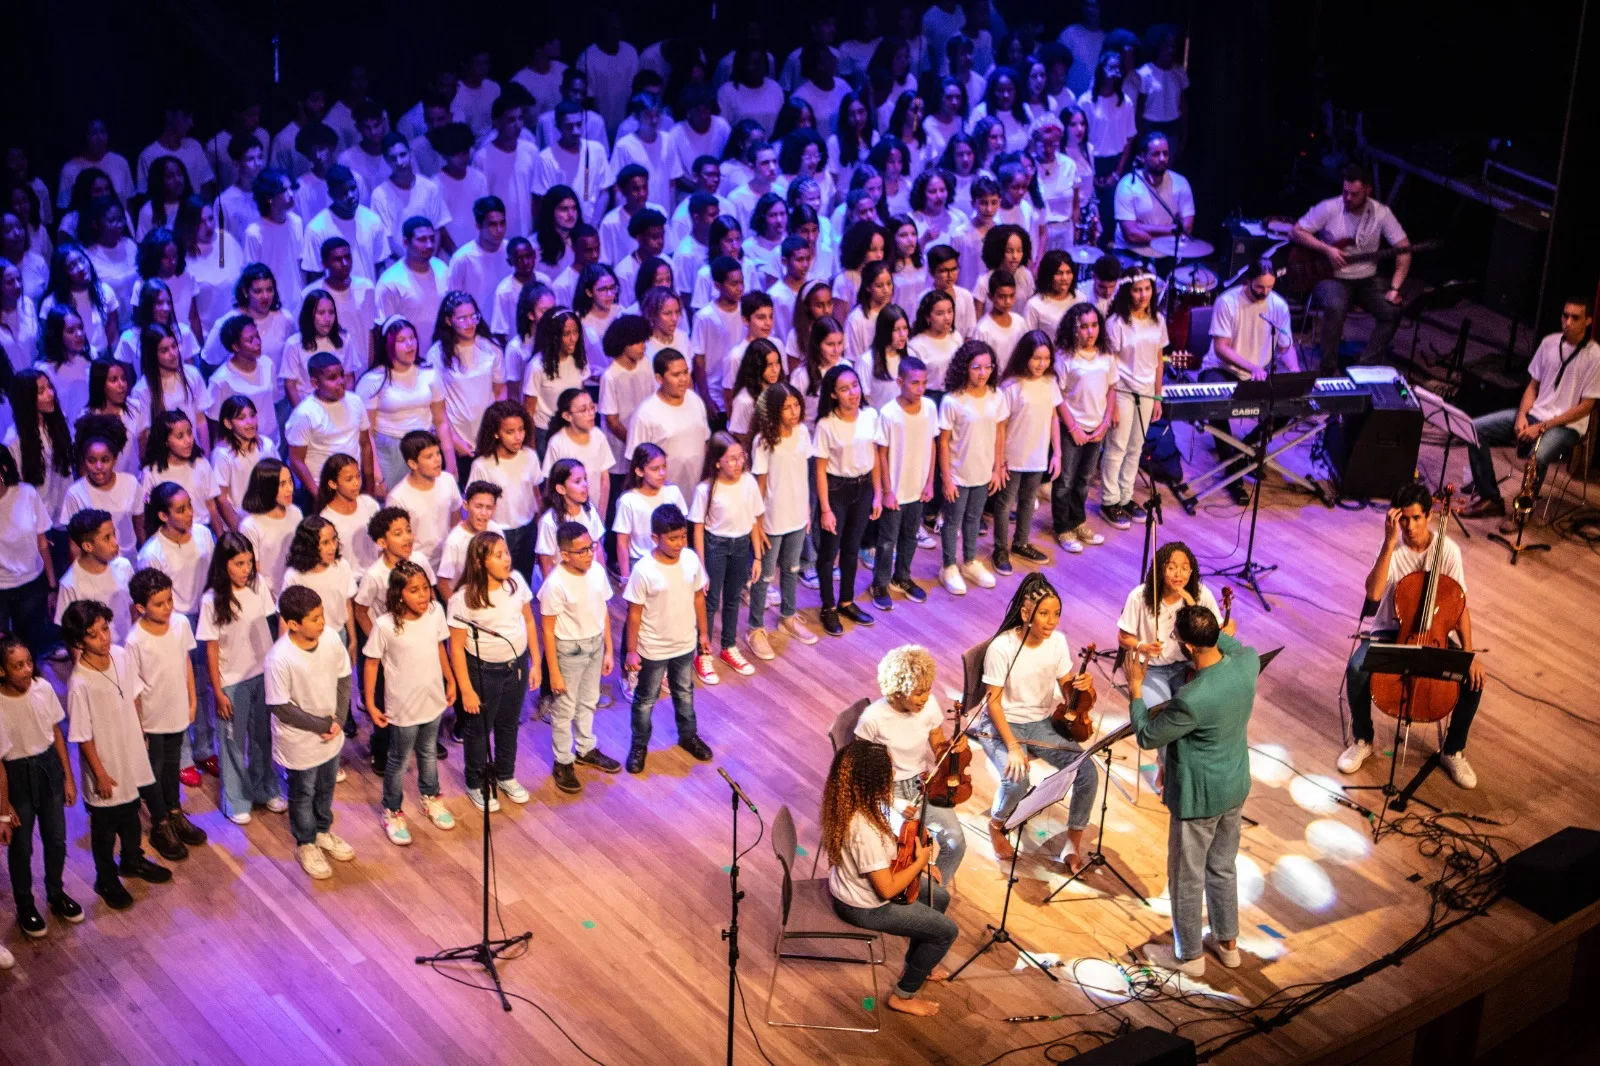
(1434, 82)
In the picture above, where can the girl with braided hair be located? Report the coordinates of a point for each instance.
(861, 845)
(1028, 669)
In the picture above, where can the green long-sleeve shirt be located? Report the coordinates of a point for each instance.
(1203, 730)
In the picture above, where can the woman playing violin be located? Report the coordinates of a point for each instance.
(1150, 633)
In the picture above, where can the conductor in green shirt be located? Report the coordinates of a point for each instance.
(1202, 733)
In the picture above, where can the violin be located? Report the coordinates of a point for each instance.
(951, 780)
(1429, 605)
(912, 836)
(1070, 719)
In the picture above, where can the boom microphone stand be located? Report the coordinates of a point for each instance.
(1250, 572)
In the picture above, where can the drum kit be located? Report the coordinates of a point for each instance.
(1189, 286)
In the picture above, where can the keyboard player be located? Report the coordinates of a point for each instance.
(1249, 335)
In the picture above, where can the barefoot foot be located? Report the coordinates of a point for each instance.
(1000, 842)
(923, 1008)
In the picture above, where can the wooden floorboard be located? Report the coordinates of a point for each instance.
(242, 959)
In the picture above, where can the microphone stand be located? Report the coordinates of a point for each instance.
(1249, 572)
(1170, 296)
(731, 934)
(486, 950)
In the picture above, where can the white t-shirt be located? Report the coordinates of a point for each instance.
(1112, 121)
(577, 601)
(413, 295)
(325, 429)
(358, 311)
(935, 353)
(787, 502)
(122, 501)
(680, 429)
(103, 710)
(393, 205)
(510, 176)
(622, 391)
(1086, 384)
(242, 644)
(544, 539)
(336, 585)
(715, 333)
(24, 516)
(972, 422)
(1249, 325)
(732, 510)
(369, 241)
(453, 561)
(470, 383)
(632, 519)
(1561, 389)
(1405, 561)
(850, 447)
(504, 627)
(261, 387)
(518, 479)
(413, 687)
(191, 396)
(280, 245)
(866, 850)
(271, 537)
(230, 471)
(1162, 91)
(905, 735)
(910, 438)
(1024, 287)
(1330, 222)
(1137, 346)
(1003, 339)
(1033, 403)
(587, 172)
(1031, 690)
(1046, 312)
(687, 144)
(372, 588)
(658, 160)
(186, 564)
(354, 540)
(547, 390)
(110, 587)
(668, 626)
(310, 681)
(162, 663)
(1137, 620)
(596, 456)
(478, 271)
(370, 168)
(458, 196)
(28, 721)
(399, 401)
(433, 511)
(1134, 202)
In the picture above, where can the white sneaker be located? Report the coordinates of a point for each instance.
(240, 818)
(335, 847)
(394, 827)
(7, 960)
(950, 578)
(1164, 957)
(978, 574)
(339, 777)
(774, 596)
(313, 862)
(1458, 769)
(1088, 536)
(1229, 957)
(476, 796)
(926, 539)
(277, 804)
(513, 790)
(1352, 758)
(438, 813)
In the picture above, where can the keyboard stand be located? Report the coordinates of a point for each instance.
(1226, 473)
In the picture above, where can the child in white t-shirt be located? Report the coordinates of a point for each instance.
(666, 609)
(972, 445)
(390, 530)
(908, 431)
(645, 489)
(506, 460)
(407, 643)
(1087, 375)
(271, 518)
(1033, 443)
(999, 327)
(478, 506)
(728, 536)
(307, 691)
(238, 449)
(782, 468)
(432, 501)
(101, 572)
(171, 454)
(577, 640)
(158, 649)
(233, 625)
(566, 499)
(100, 440)
(30, 730)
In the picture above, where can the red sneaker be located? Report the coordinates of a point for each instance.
(209, 765)
(190, 776)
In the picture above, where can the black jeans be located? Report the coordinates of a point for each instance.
(165, 750)
(1335, 297)
(1358, 686)
(850, 500)
(25, 612)
(1069, 493)
(501, 688)
(37, 785)
(107, 826)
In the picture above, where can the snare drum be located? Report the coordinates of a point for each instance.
(1192, 286)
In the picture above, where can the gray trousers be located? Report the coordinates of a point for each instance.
(1201, 878)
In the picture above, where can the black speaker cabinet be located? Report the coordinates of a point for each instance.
(1558, 876)
(1516, 260)
(1374, 453)
(1142, 1047)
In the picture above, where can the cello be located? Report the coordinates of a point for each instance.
(1429, 605)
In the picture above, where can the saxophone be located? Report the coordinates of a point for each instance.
(1522, 503)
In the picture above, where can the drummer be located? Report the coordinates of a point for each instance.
(1250, 336)
(1144, 196)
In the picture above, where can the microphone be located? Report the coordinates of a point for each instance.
(737, 791)
(1035, 1017)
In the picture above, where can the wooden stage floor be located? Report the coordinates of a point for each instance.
(242, 959)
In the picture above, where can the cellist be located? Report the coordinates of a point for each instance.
(1407, 543)
(911, 725)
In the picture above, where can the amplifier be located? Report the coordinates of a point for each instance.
(1141, 1047)
(1373, 453)
(1558, 876)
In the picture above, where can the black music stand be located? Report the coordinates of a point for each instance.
(1457, 426)
(1409, 661)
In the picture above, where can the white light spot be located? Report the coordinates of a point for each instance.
(1046, 958)
(1101, 979)
(1265, 770)
(1303, 882)
(1262, 947)
(1315, 793)
(1338, 841)
(1251, 882)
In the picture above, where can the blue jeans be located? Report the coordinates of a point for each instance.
(897, 543)
(1008, 793)
(1160, 682)
(1021, 492)
(1336, 296)
(386, 453)
(501, 688)
(37, 788)
(781, 561)
(942, 825)
(1358, 689)
(1498, 429)
(403, 740)
(923, 923)
(580, 662)
(311, 801)
(728, 572)
(679, 672)
(1069, 493)
(1200, 871)
(246, 748)
(963, 518)
(201, 740)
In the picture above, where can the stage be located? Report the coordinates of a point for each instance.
(243, 959)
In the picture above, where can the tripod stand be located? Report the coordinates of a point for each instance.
(1521, 514)
(1097, 858)
(486, 950)
(999, 934)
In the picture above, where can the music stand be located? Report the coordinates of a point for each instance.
(1097, 857)
(1409, 661)
(1456, 425)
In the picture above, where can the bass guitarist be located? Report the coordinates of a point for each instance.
(1348, 230)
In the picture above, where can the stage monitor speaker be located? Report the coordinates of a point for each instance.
(1374, 453)
(1558, 876)
(1142, 1047)
(1516, 258)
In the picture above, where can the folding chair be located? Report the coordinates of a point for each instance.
(842, 732)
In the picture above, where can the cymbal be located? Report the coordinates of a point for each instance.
(1085, 254)
(1161, 248)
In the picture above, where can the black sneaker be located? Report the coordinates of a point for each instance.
(440, 752)
(116, 896)
(1002, 563)
(1116, 516)
(880, 598)
(566, 778)
(166, 842)
(600, 761)
(145, 870)
(350, 727)
(830, 622)
(66, 908)
(30, 921)
(1135, 511)
(697, 747)
(855, 614)
(914, 592)
(1030, 553)
(187, 831)
(636, 756)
